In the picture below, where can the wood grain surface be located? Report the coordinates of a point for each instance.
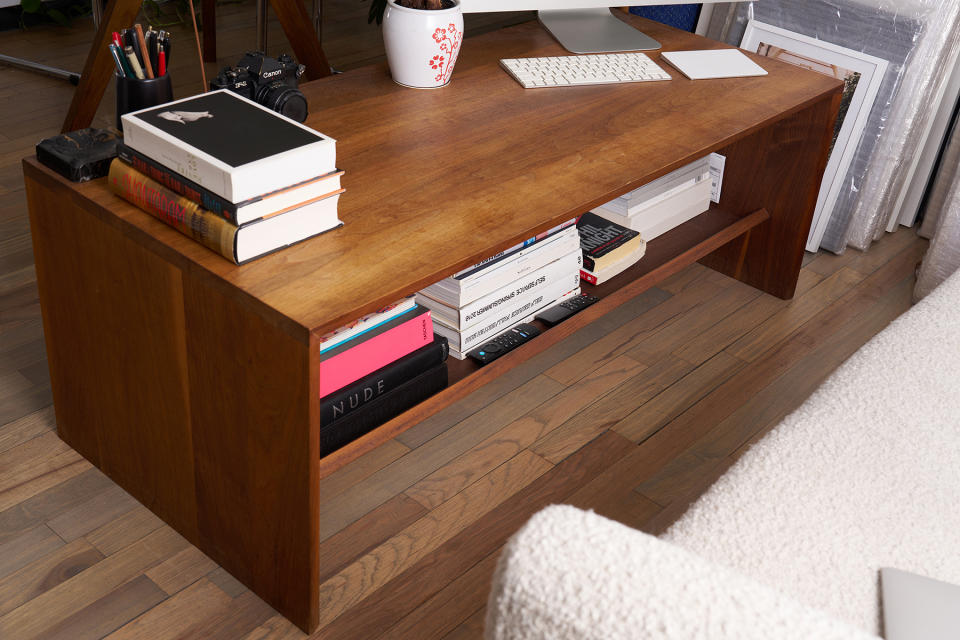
(638, 408)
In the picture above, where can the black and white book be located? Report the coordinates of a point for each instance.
(525, 313)
(458, 292)
(337, 433)
(507, 298)
(230, 145)
(494, 324)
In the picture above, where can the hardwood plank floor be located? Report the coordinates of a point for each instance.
(633, 416)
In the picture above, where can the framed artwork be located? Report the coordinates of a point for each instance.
(862, 75)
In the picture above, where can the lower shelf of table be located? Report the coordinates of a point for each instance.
(665, 256)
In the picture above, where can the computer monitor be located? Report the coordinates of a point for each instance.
(581, 26)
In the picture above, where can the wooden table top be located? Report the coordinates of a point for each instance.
(438, 179)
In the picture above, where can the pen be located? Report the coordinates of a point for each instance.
(116, 39)
(134, 63)
(115, 54)
(147, 67)
(151, 39)
(161, 64)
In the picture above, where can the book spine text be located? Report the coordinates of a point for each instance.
(182, 214)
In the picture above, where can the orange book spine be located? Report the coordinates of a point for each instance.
(184, 215)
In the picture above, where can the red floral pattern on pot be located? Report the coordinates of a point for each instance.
(449, 40)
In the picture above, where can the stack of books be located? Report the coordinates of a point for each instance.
(377, 367)
(665, 203)
(237, 177)
(490, 297)
(608, 248)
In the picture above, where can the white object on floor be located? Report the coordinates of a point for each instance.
(918, 607)
(600, 68)
(864, 475)
(713, 63)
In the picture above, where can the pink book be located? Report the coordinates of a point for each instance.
(377, 352)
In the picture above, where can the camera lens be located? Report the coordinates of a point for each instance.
(286, 100)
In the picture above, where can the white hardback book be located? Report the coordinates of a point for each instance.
(232, 146)
(262, 236)
(507, 298)
(614, 269)
(661, 188)
(458, 293)
(530, 312)
(663, 217)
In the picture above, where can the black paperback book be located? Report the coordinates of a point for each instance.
(381, 409)
(343, 402)
(600, 238)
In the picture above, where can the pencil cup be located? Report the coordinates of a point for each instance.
(133, 94)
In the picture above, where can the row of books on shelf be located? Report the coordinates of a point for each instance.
(386, 362)
(236, 177)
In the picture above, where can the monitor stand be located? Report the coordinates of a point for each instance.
(594, 31)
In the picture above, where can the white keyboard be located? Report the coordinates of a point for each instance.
(594, 68)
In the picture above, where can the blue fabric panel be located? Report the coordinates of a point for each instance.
(681, 16)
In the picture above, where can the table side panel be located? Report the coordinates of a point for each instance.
(114, 328)
(256, 454)
(188, 399)
(778, 168)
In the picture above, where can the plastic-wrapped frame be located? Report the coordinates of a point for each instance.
(920, 39)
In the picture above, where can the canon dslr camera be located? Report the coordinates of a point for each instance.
(267, 81)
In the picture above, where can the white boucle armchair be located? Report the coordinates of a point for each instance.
(788, 543)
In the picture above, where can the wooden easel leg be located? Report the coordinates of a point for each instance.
(298, 26)
(98, 68)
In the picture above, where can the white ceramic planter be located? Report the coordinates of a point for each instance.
(422, 46)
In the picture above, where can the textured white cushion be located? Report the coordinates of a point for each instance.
(865, 474)
(789, 541)
(573, 575)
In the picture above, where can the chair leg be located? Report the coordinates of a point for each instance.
(262, 25)
(299, 27)
(208, 12)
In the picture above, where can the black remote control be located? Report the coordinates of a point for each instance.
(559, 313)
(490, 351)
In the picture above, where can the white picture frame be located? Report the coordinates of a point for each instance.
(840, 62)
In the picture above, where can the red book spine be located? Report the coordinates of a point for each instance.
(588, 277)
(375, 353)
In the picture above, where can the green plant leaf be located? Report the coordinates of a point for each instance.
(31, 6)
(377, 7)
(57, 16)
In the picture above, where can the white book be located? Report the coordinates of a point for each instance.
(653, 190)
(663, 217)
(505, 298)
(460, 292)
(614, 269)
(465, 340)
(459, 354)
(486, 263)
(232, 146)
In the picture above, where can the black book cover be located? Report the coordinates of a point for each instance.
(599, 237)
(343, 402)
(229, 128)
(181, 185)
(389, 405)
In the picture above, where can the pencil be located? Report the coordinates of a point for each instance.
(134, 63)
(148, 68)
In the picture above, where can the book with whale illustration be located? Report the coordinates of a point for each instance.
(230, 145)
